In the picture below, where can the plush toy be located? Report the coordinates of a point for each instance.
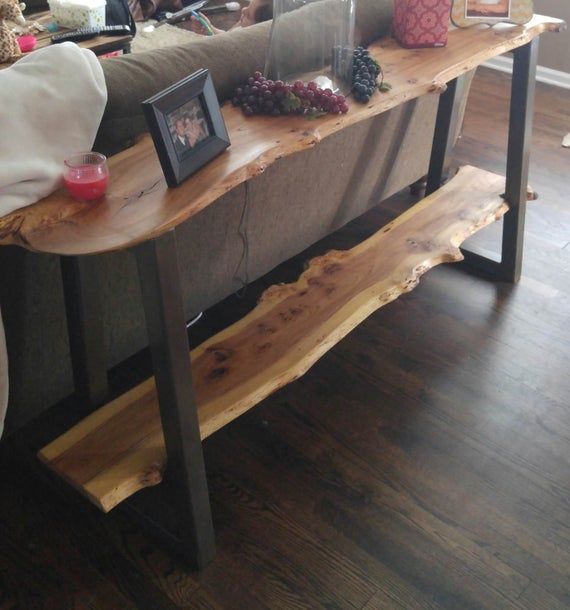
(28, 27)
(9, 11)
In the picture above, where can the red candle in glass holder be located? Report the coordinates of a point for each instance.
(27, 43)
(86, 176)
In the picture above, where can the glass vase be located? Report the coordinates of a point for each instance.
(312, 40)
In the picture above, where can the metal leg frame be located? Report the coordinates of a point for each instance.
(442, 137)
(518, 154)
(85, 329)
(179, 509)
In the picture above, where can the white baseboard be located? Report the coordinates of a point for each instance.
(543, 75)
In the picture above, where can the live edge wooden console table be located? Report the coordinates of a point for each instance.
(125, 445)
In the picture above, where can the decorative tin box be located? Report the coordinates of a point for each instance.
(78, 13)
(421, 23)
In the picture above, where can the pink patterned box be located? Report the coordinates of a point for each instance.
(421, 23)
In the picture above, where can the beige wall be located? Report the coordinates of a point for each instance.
(555, 48)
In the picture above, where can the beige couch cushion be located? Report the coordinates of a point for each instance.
(149, 37)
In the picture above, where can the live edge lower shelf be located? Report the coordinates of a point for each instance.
(119, 449)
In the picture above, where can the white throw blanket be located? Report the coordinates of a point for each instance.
(52, 102)
(51, 106)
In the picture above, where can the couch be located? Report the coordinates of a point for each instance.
(346, 174)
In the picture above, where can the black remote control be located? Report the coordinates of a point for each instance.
(86, 33)
(76, 35)
(115, 30)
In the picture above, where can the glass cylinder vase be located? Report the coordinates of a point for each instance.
(312, 40)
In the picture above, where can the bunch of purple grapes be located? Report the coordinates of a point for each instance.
(264, 96)
(365, 73)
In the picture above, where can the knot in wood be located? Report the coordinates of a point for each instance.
(290, 314)
(218, 372)
(264, 329)
(333, 268)
(262, 347)
(219, 354)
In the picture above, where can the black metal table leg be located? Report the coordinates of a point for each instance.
(518, 154)
(84, 313)
(441, 137)
(181, 516)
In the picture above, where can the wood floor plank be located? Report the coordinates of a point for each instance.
(413, 451)
(441, 415)
(298, 501)
(85, 558)
(202, 600)
(378, 506)
(42, 564)
(297, 547)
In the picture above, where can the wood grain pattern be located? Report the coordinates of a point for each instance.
(139, 206)
(119, 449)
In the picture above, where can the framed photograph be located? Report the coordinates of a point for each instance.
(470, 12)
(489, 9)
(187, 126)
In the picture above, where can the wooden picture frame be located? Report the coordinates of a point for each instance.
(465, 13)
(187, 126)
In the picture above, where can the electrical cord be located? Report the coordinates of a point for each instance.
(244, 259)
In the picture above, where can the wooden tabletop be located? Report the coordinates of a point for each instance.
(139, 205)
(99, 45)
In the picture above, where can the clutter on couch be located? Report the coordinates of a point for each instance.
(10, 11)
(143, 10)
(27, 42)
(78, 13)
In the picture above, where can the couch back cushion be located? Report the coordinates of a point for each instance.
(230, 57)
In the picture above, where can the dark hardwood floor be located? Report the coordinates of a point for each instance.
(423, 463)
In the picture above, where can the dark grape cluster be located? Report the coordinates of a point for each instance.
(365, 72)
(264, 96)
